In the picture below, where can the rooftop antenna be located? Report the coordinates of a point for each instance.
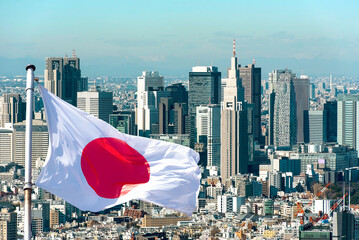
(234, 47)
(73, 53)
(254, 61)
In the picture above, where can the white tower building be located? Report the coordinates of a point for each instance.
(148, 86)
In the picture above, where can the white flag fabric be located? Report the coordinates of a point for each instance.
(93, 166)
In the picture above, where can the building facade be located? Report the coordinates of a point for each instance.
(301, 88)
(332, 120)
(251, 81)
(348, 120)
(96, 102)
(8, 224)
(316, 126)
(204, 88)
(208, 125)
(149, 84)
(124, 121)
(6, 145)
(40, 141)
(62, 77)
(12, 109)
(284, 113)
(234, 126)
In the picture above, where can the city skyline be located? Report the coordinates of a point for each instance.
(125, 38)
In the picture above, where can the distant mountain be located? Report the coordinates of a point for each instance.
(172, 66)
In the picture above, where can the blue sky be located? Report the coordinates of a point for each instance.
(122, 38)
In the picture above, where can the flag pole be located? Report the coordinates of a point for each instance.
(28, 149)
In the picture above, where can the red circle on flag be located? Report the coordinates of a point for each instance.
(112, 168)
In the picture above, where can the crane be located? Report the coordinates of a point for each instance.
(301, 210)
(325, 216)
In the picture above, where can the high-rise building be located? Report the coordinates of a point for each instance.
(348, 120)
(178, 93)
(148, 87)
(311, 91)
(301, 88)
(7, 144)
(204, 88)
(273, 78)
(343, 225)
(124, 121)
(54, 218)
(12, 109)
(234, 125)
(251, 81)
(332, 120)
(8, 224)
(62, 77)
(316, 126)
(208, 127)
(181, 119)
(82, 85)
(96, 102)
(283, 124)
(40, 141)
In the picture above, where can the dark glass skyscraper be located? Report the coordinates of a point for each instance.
(301, 88)
(62, 77)
(251, 81)
(332, 114)
(204, 88)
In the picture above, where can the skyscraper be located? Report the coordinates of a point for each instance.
(343, 225)
(124, 121)
(251, 81)
(6, 144)
(148, 86)
(273, 78)
(40, 141)
(170, 102)
(348, 120)
(12, 109)
(8, 224)
(181, 119)
(234, 125)
(204, 88)
(96, 102)
(62, 77)
(284, 112)
(208, 125)
(301, 88)
(332, 117)
(316, 126)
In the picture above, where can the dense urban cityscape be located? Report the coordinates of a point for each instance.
(278, 152)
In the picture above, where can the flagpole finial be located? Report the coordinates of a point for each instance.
(30, 66)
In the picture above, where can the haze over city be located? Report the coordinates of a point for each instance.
(122, 38)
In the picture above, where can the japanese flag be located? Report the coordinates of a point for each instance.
(93, 166)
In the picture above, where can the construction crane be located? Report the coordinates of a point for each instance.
(317, 196)
(300, 213)
(301, 210)
(325, 216)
